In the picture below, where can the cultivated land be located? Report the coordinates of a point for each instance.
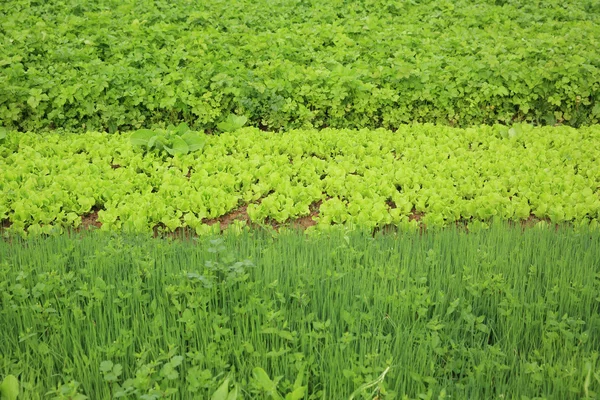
(418, 176)
(125, 64)
(299, 199)
(497, 314)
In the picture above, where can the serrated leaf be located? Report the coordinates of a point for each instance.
(106, 366)
(110, 377)
(286, 335)
(169, 372)
(141, 137)
(176, 361)
(9, 389)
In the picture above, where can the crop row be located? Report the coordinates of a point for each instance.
(497, 314)
(420, 174)
(121, 65)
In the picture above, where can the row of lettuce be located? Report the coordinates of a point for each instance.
(419, 175)
(123, 65)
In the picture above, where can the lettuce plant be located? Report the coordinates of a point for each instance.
(173, 140)
(232, 123)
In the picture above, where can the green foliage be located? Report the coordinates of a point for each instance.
(223, 392)
(232, 123)
(9, 388)
(420, 174)
(68, 391)
(503, 313)
(90, 65)
(174, 140)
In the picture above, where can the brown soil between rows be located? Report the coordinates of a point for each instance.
(90, 221)
(239, 214)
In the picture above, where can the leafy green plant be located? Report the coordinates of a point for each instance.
(68, 391)
(287, 66)
(232, 123)
(420, 175)
(224, 392)
(268, 388)
(368, 385)
(9, 388)
(178, 140)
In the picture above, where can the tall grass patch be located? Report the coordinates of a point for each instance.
(502, 313)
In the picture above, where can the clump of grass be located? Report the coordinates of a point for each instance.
(502, 313)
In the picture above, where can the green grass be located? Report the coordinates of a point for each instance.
(502, 313)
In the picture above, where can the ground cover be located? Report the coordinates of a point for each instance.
(124, 64)
(502, 313)
(419, 175)
(374, 302)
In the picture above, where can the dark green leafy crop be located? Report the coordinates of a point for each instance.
(125, 65)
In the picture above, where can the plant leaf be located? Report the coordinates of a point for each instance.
(152, 141)
(182, 129)
(141, 137)
(232, 123)
(2, 133)
(297, 394)
(194, 141)
(178, 146)
(106, 366)
(233, 394)
(299, 379)
(9, 389)
(265, 383)
(222, 392)
(158, 142)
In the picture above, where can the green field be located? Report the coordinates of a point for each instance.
(498, 314)
(418, 176)
(124, 64)
(299, 199)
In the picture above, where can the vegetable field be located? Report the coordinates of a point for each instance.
(123, 64)
(418, 176)
(299, 199)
